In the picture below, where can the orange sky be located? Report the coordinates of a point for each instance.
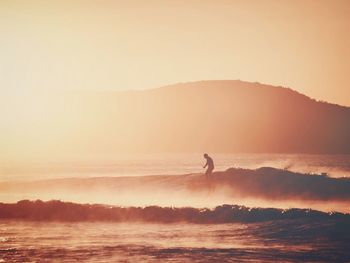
(144, 44)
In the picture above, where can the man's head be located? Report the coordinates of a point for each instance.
(206, 155)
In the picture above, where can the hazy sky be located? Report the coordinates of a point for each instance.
(144, 44)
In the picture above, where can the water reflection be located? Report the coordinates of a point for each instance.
(108, 242)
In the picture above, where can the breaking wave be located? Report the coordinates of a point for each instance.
(263, 187)
(67, 211)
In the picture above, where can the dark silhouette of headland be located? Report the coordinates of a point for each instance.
(216, 116)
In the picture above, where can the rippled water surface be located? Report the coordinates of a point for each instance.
(282, 241)
(119, 242)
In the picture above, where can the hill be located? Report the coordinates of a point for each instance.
(222, 116)
(227, 116)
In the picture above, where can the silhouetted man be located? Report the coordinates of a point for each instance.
(210, 165)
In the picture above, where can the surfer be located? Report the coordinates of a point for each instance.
(209, 164)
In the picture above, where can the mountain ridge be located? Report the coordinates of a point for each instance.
(218, 116)
(242, 107)
(226, 116)
(246, 83)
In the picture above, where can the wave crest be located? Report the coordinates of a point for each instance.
(67, 211)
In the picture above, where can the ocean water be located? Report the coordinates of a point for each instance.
(170, 164)
(276, 240)
(286, 241)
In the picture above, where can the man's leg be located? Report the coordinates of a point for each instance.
(208, 173)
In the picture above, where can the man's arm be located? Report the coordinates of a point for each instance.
(205, 165)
